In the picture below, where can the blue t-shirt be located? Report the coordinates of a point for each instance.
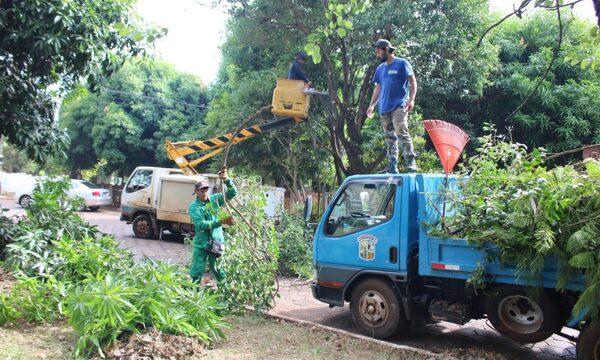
(296, 72)
(393, 82)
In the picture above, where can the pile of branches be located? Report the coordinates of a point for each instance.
(529, 212)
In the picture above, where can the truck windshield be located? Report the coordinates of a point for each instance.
(361, 206)
(141, 179)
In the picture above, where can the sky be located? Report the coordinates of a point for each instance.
(196, 30)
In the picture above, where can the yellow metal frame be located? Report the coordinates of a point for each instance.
(289, 101)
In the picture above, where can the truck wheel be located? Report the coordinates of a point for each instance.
(515, 314)
(376, 309)
(588, 343)
(142, 227)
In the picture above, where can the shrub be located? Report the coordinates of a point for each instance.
(101, 290)
(295, 245)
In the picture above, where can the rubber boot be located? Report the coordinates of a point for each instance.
(392, 167)
(411, 164)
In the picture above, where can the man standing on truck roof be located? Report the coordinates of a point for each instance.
(204, 213)
(296, 71)
(395, 90)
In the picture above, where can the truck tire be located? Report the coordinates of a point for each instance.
(516, 314)
(588, 343)
(376, 309)
(142, 227)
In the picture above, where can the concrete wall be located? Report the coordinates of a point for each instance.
(10, 183)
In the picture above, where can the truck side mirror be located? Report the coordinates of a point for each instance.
(307, 208)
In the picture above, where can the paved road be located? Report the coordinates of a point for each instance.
(476, 339)
(297, 302)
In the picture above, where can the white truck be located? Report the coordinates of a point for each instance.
(157, 199)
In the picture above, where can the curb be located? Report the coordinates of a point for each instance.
(359, 337)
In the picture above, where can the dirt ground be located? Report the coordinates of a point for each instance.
(248, 338)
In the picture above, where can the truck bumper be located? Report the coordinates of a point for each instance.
(328, 295)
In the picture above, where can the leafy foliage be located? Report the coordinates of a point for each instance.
(125, 125)
(250, 259)
(563, 114)
(149, 294)
(46, 42)
(295, 245)
(530, 213)
(101, 290)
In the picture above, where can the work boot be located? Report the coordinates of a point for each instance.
(411, 164)
(392, 167)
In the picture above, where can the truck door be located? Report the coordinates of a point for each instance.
(138, 192)
(361, 231)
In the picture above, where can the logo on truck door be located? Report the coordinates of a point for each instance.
(366, 247)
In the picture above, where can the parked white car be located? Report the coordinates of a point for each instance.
(93, 195)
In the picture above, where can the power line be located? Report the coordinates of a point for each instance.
(203, 106)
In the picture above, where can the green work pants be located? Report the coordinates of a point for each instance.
(199, 263)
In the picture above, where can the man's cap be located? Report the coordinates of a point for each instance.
(201, 185)
(301, 55)
(383, 43)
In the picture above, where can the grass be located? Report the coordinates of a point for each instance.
(27, 342)
(249, 338)
(258, 338)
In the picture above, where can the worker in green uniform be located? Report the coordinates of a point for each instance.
(204, 213)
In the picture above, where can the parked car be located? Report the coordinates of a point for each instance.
(93, 195)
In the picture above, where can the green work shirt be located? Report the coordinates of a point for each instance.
(205, 216)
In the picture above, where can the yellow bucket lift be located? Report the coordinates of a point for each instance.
(290, 99)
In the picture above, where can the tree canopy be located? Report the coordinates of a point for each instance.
(52, 44)
(126, 124)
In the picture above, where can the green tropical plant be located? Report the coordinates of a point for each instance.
(295, 245)
(529, 213)
(101, 290)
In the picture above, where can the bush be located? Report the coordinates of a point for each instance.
(8, 229)
(295, 245)
(150, 294)
(101, 290)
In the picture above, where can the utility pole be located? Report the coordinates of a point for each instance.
(1, 155)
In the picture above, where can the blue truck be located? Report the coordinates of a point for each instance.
(372, 249)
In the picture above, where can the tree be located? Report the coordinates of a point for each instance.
(45, 43)
(437, 37)
(126, 124)
(564, 113)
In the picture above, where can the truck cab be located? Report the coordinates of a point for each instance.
(372, 248)
(156, 199)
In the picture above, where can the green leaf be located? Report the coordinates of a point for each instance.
(584, 63)
(583, 260)
(341, 32)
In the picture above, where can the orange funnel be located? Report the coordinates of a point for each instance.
(449, 141)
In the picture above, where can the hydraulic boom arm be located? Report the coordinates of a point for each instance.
(178, 151)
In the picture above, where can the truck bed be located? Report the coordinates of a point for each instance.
(456, 259)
